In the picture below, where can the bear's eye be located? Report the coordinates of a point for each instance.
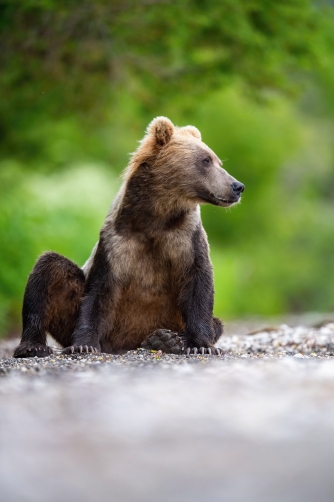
(206, 161)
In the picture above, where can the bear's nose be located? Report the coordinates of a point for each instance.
(237, 188)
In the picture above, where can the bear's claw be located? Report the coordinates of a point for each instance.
(81, 349)
(211, 351)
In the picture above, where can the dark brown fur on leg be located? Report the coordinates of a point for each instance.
(51, 304)
(218, 329)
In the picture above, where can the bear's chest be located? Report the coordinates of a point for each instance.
(151, 263)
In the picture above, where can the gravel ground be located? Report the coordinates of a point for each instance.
(255, 424)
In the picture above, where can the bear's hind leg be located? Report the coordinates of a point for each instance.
(176, 343)
(51, 304)
(166, 341)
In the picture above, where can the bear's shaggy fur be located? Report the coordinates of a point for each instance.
(150, 271)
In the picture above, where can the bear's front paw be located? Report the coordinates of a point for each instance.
(28, 349)
(81, 349)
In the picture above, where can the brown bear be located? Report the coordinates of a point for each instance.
(149, 280)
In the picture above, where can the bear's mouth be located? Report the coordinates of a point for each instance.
(217, 200)
(222, 201)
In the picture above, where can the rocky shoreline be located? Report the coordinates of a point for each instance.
(252, 424)
(300, 342)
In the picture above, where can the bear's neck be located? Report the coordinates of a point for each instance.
(148, 209)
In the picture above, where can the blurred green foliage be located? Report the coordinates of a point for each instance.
(80, 80)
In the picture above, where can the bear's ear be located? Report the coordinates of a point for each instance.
(193, 131)
(162, 129)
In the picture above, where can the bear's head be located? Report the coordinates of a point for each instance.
(181, 167)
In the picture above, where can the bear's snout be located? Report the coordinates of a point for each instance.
(237, 188)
